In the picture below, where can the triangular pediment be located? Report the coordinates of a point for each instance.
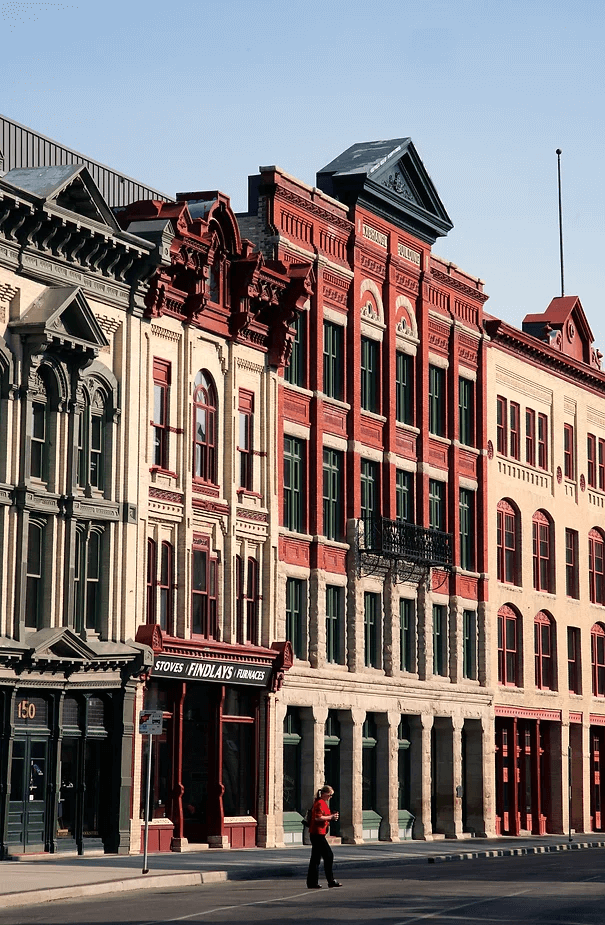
(564, 327)
(59, 643)
(62, 314)
(389, 178)
(69, 186)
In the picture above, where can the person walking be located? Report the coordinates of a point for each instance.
(321, 817)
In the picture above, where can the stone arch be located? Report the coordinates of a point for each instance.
(405, 318)
(368, 285)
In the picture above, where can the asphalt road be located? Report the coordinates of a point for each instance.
(560, 889)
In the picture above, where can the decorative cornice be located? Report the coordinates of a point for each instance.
(457, 284)
(306, 205)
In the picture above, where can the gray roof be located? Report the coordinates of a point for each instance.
(42, 181)
(365, 156)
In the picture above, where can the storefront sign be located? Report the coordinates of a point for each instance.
(195, 669)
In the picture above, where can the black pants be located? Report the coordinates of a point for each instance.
(320, 849)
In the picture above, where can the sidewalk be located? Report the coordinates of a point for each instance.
(49, 878)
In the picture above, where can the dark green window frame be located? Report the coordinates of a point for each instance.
(407, 634)
(295, 614)
(404, 388)
(469, 644)
(372, 629)
(333, 466)
(294, 372)
(404, 496)
(369, 488)
(466, 409)
(437, 401)
(467, 529)
(294, 465)
(439, 640)
(333, 380)
(436, 505)
(370, 375)
(334, 622)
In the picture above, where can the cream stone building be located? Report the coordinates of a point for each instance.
(546, 520)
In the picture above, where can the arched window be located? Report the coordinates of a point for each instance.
(151, 580)
(91, 442)
(39, 414)
(508, 543)
(166, 588)
(543, 552)
(596, 567)
(544, 631)
(509, 656)
(204, 428)
(597, 644)
(35, 574)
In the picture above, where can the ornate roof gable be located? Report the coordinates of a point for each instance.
(62, 317)
(69, 186)
(564, 327)
(388, 178)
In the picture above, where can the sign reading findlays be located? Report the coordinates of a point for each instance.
(196, 669)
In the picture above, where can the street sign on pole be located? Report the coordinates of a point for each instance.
(150, 724)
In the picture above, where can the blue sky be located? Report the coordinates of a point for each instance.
(197, 95)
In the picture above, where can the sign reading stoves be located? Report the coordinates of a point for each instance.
(195, 669)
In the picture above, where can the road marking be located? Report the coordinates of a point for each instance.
(442, 912)
(259, 902)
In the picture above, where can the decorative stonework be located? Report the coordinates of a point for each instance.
(107, 324)
(490, 449)
(559, 475)
(165, 334)
(249, 366)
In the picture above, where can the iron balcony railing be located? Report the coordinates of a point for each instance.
(398, 540)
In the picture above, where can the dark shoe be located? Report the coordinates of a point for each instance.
(314, 886)
(334, 883)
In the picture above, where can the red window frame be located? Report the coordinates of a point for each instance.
(568, 452)
(601, 464)
(204, 428)
(151, 580)
(507, 544)
(543, 552)
(596, 567)
(501, 421)
(508, 647)
(597, 648)
(571, 564)
(542, 441)
(515, 430)
(530, 437)
(252, 601)
(162, 375)
(591, 460)
(543, 651)
(203, 590)
(574, 674)
(166, 588)
(245, 439)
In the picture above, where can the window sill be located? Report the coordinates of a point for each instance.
(159, 470)
(298, 388)
(245, 493)
(373, 415)
(206, 488)
(284, 531)
(407, 428)
(329, 400)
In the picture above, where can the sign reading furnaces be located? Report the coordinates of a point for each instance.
(408, 254)
(195, 669)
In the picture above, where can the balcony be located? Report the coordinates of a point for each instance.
(404, 542)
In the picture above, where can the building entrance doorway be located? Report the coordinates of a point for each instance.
(27, 808)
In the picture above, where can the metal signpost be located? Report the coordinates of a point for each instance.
(150, 724)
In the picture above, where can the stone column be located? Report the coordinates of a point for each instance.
(577, 778)
(455, 635)
(489, 775)
(387, 766)
(351, 824)
(420, 774)
(444, 771)
(276, 764)
(312, 730)
(476, 782)
(586, 769)
(565, 743)
(424, 631)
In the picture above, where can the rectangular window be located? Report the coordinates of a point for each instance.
(333, 360)
(542, 551)
(467, 530)
(571, 564)
(466, 409)
(515, 430)
(436, 505)
(530, 437)
(508, 660)
(404, 391)
(501, 428)
(407, 626)
(294, 464)
(369, 488)
(543, 441)
(568, 451)
(591, 454)
(437, 401)
(161, 394)
(601, 464)
(574, 675)
(507, 547)
(166, 586)
(203, 591)
(469, 644)
(33, 589)
(439, 640)
(334, 624)
(294, 373)
(295, 614)
(370, 375)
(404, 495)
(245, 447)
(372, 629)
(333, 466)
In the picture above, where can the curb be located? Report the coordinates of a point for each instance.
(514, 852)
(33, 897)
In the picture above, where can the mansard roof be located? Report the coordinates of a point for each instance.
(68, 186)
(62, 315)
(388, 178)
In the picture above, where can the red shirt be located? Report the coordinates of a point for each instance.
(320, 808)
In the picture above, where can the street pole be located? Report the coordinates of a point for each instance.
(147, 793)
(569, 785)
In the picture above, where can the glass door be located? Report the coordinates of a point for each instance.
(27, 806)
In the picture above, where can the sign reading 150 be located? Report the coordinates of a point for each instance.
(26, 709)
